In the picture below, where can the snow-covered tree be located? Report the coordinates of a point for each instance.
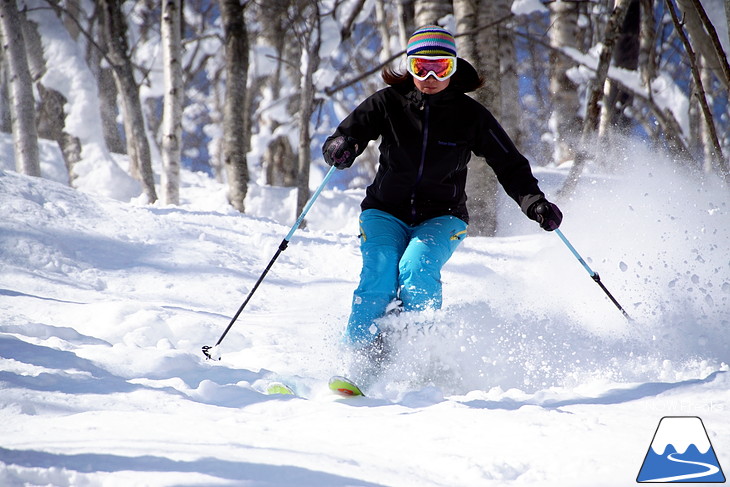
(138, 149)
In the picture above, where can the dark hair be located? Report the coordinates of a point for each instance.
(465, 79)
(394, 77)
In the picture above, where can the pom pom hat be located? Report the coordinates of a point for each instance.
(431, 40)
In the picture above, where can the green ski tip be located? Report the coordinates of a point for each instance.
(279, 388)
(344, 387)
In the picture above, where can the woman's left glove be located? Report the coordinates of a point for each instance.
(547, 214)
(340, 151)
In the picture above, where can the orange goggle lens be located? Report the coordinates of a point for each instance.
(421, 67)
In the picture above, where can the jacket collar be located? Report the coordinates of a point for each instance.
(418, 98)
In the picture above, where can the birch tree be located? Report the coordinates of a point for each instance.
(727, 15)
(714, 150)
(626, 56)
(595, 95)
(22, 103)
(406, 20)
(234, 119)
(647, 41)
(138, 149)
(701, 32)
(511, 114)
(431, 11)
(475, 19)
(382, 21)
(565, 120)
(172, 110)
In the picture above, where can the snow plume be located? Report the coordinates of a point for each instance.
(528, 375)
(529, 316)
(656, 233)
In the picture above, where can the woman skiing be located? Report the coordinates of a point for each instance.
(414, 213)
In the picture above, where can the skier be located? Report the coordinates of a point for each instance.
(414, 213)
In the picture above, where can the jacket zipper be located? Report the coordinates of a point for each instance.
(426, 110)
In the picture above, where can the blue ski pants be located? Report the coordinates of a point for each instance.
(399, 261)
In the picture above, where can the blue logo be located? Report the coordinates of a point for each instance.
(681, 452)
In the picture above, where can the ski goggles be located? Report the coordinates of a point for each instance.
(421, 67)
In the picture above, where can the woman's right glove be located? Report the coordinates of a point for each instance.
(340, 151)
(547, 214)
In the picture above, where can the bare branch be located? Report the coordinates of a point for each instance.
(701, 96)
(710, 28)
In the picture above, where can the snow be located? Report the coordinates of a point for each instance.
(527, 7)
(528, 376)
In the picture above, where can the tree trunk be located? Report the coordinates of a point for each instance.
(277, 162)
(704, 39)
(626, 56)
(647, 44)
(22, 103)
(109, 111)
(431, 11)
(706, 136)
(138, 149)
(383, 30)
(479, 49)
(348, 20)
(716, 149)
(310, 44)
(406, 20)
(727, 16)
(234, 119)
(51, 115)
(595, 93)
(511, 115)
(565, 119)
(172, 111)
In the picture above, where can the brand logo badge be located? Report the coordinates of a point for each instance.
(680, 452)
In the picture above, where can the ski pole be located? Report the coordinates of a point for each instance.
(207, 349)
(592, 273)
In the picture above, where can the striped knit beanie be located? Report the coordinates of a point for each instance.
(431, 40)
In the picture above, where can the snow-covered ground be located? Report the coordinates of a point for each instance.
(528, 376)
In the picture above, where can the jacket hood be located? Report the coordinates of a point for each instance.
(465, 78)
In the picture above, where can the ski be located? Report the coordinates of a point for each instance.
(339, 385)
(344, 387)
(280, 388)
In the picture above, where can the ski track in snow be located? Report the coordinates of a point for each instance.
(528, 376)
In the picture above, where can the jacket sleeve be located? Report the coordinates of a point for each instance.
(510, 166)
(364, 123)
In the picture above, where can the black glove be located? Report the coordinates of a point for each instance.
(547, 214)
(340, 151)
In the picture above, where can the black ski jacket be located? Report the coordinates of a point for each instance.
(426, 143)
